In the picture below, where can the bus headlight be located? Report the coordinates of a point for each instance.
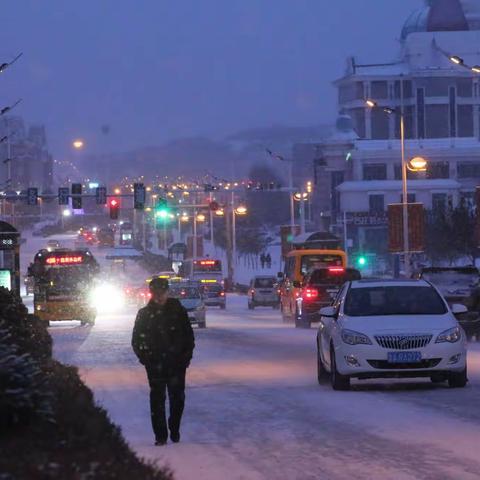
(107, 298)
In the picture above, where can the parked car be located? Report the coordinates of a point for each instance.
(190, 297)
(52, 245)
(214, 295)
(459, 285)
(319, 289)
(385, 329)
(263, 292)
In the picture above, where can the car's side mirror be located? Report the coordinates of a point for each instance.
(329, 312)
(297, 284)
(459, 309)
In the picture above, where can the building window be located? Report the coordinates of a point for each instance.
(376, 203)
(468, 170)
(439, 202)
(380, 124)
(358, 116)
(375, 171)
(465, 87)
(410, 175)
(437, 121)
(465, 121)
(453, 111)
(467, 200)
(411, 198)
(420, 113)
(379, 89)
(438, 170)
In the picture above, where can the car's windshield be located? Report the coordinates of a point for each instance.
(184, 292)
(264, 282)
(312, 262)
(451, 277)
(393, 300)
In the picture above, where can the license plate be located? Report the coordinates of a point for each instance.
(404, 357)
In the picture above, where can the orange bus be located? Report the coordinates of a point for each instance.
(297, 264)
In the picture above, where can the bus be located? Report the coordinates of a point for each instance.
(299, 263)
(204, 270)
(63, 281)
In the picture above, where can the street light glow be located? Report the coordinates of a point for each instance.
(417, 164)
(241, 210)
(476, 69)
(201, 217)
(299, 196)
(456, 60)
(370, 103)
(78, 144)
(66, 213)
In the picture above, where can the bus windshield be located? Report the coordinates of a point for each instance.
(316, 261)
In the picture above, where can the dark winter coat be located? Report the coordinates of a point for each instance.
(163, 335)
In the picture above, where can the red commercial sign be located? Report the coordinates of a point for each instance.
(416, 227)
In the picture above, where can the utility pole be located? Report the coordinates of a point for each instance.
(230, 267)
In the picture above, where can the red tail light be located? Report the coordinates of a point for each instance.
(310, 294)
(337, 270)
(149, 295)
(222, 294)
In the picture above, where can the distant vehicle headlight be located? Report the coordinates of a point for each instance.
(452, 335)
(107, 298)
(351, 337)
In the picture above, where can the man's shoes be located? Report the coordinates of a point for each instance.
(175, 437)
(160, 442)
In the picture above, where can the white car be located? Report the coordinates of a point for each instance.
(391, 329)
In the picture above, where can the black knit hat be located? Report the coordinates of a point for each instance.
(159, 284)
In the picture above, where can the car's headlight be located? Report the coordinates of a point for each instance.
(452, 335)
(107, 298)
(355, 338)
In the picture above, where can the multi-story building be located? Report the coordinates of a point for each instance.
(360, 174)
(26, 161)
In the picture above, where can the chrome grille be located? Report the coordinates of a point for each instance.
(403, 342)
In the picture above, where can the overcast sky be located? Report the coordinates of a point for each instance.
(160, 69)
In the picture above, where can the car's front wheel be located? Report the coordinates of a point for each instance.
(338, 381)
(322, 374)
(458, 380)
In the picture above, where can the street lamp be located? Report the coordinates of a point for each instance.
(78, 144)
(416, 164)
(201, 217)
(241, 210)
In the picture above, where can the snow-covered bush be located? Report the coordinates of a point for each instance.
(22, 383)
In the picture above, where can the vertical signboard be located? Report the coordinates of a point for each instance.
(416, 227)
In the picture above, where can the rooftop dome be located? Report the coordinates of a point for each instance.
(443, 15)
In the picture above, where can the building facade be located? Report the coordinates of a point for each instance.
(26, 161)
(360, 172)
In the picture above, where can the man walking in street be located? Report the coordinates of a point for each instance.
(163, 341)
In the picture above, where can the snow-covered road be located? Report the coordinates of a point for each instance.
(255, 410)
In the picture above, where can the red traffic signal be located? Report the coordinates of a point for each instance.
(114, 205)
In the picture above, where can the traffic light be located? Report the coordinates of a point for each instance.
(32, 196)
(361, 261)
(76, 200)
(114, 206)
(162, 212)
(139, 196)
(63, 194)
(101, 195)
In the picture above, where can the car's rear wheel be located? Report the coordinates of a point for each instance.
(322, 374)
(458, 380)
(338, 381)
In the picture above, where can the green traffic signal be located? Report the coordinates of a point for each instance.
(361, 261)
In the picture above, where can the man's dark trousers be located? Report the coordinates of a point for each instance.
(162, 380)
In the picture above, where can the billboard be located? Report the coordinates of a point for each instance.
(416, 227)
